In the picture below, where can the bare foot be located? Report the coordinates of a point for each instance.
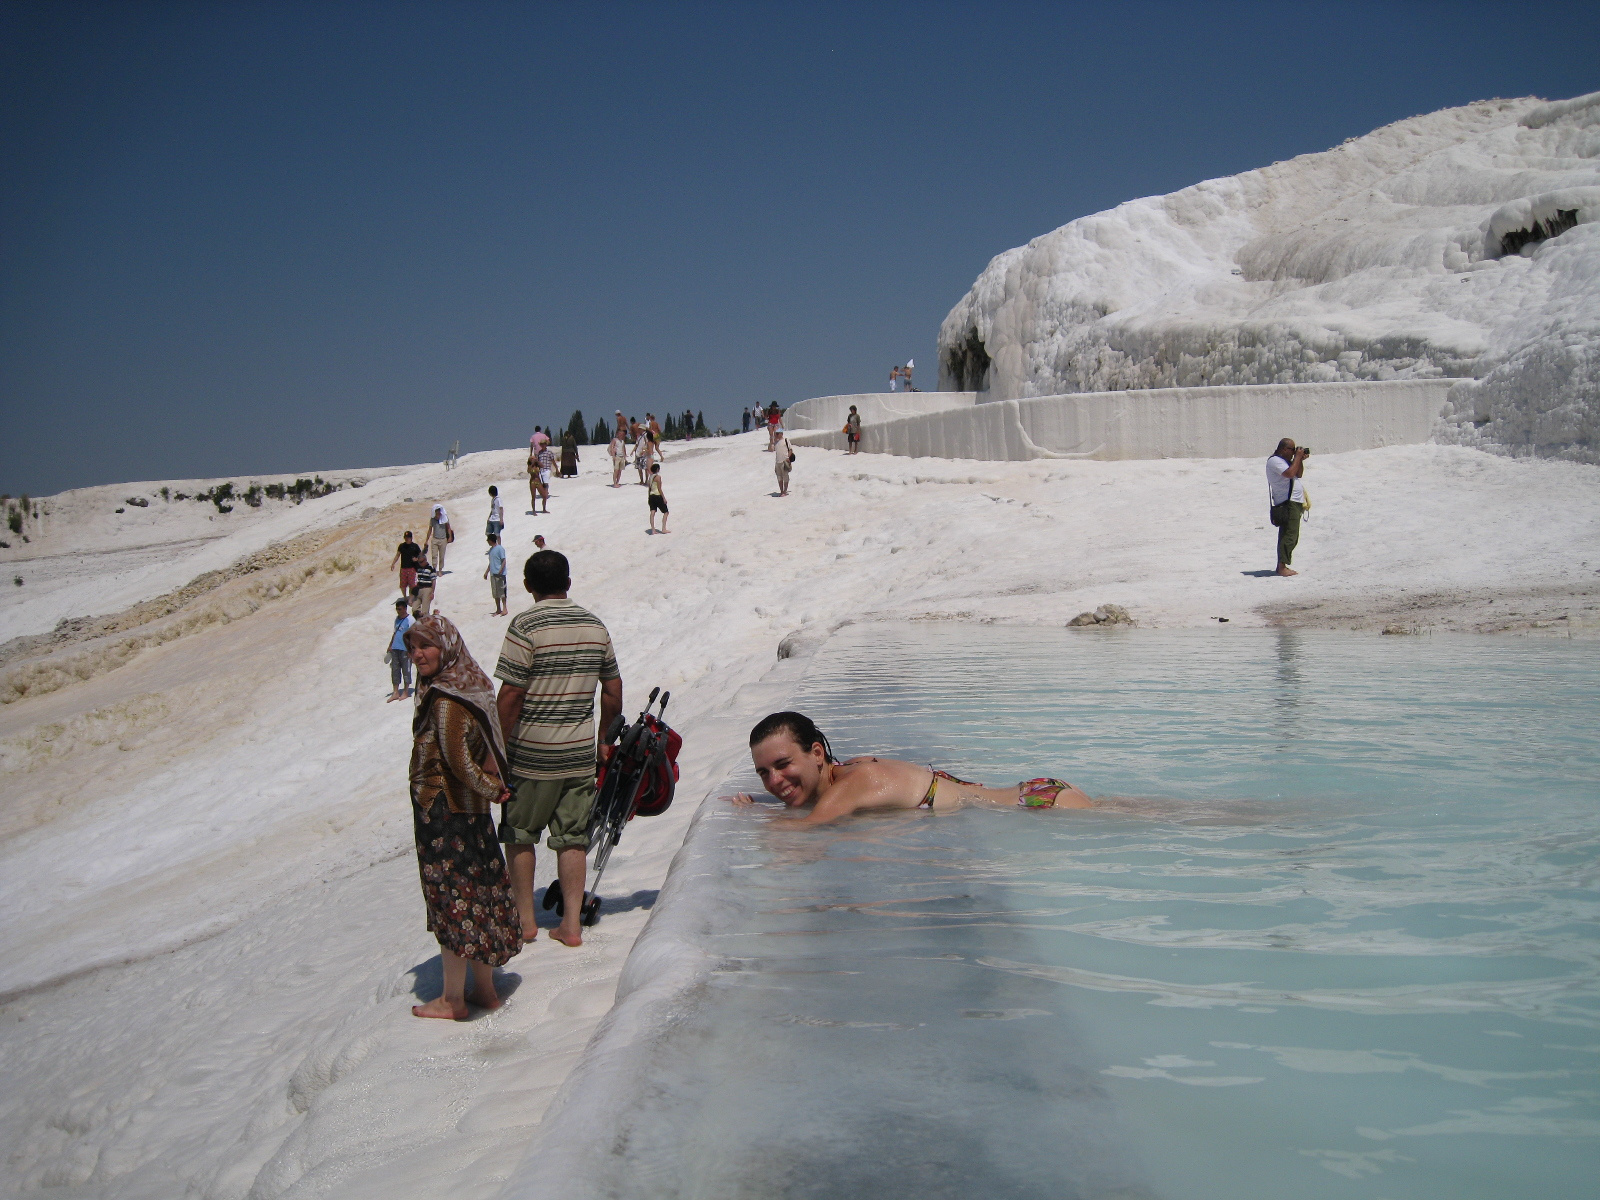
(561, 935)
(441, 1009)
(491, 1003)
(392, 699)
(1285, 571)
(530, 937)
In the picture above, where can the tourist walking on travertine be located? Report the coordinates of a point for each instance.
(852, 429)
(622, 425)
(408, 554)
(774, 424)
(641, 453)
(569, 455)
(458, 770)
(495, 573)
(439, 536)
(547, 466)
(1286, 494)
(744, 421)
(782, 462)
(497, 514)
(397, 656)
(422, 594)
(619, 457)
(905, 373)
(554, 655)
(533, 477)
(894, 379)
(658, 498)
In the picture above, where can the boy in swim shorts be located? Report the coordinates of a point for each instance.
(797, 766)
(658, 498)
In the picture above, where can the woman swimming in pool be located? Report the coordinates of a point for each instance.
(797, 766)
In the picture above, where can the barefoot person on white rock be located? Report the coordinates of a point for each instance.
(1286, 499)
(458, 769)
(554, 657)
(796, 765)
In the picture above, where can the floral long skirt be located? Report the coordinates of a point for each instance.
(465, 886)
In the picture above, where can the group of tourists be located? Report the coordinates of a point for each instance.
(530, 748)
(634, 441)
(902, 375)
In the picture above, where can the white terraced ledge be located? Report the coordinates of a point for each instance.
(829, 412)
(1462, 243)
(1200, 422)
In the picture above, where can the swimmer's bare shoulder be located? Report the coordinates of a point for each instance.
(869, 782)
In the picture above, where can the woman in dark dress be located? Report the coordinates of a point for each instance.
(458, 764)
(569, 455)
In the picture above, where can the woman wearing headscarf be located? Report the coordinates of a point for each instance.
(458, 764)
(569, 455)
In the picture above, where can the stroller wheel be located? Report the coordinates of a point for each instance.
(552, 899)
(591, 911)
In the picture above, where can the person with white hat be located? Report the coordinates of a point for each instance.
(439, 536)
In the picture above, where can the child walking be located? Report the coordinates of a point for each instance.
(658, 498)
(495, 573)
(497, 513)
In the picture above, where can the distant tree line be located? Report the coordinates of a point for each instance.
(676, 427)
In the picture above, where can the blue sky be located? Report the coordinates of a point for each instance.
(248, 238)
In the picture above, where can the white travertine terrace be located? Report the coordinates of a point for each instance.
(1462, 244)
(1212, 422)
(829, 412)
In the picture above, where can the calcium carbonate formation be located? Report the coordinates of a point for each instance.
(1462, 244)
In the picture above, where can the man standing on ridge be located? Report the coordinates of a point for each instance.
(852, 429)
(553, 656)
(408, 554)
(1286, 494)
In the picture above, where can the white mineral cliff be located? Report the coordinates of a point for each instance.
(1462, 243)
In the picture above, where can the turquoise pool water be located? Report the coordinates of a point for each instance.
(1335, 937)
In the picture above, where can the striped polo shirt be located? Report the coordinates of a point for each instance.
(559, 653)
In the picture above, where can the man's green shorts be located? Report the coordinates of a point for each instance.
(561, 805)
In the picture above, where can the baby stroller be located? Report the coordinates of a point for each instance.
(637, 781)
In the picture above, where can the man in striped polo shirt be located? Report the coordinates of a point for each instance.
(554, 655)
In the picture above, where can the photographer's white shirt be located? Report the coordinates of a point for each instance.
(1280, 489)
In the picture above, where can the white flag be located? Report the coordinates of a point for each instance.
(911, 362)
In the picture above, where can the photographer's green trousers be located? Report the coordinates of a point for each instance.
(1288, 514)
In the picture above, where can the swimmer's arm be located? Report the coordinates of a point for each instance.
(832, 808)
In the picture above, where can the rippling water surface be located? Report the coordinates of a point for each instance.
(1336, 935)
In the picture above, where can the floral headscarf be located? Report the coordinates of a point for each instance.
(459, 677)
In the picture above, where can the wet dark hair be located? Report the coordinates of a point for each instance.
(408, 532)
(798, 726)
(547, 572)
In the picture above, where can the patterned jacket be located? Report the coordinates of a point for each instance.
(445, 758)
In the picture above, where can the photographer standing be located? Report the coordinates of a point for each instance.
(1286, 493)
